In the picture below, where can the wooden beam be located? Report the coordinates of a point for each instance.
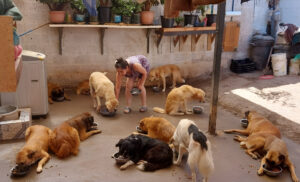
(216, 68)
(175, 40)
(60, 35)
(194, 41)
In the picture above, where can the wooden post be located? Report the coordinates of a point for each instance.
(60, 35)
(216, 68)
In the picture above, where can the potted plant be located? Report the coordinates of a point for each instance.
(78, 7)
(136, 18)
(56, 14)
(104, 11)
(127, 11)
(190, 19)
(179, 21)
(147, 16)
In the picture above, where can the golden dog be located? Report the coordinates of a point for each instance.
(83, 88)
(177, 99)
(263, 135)
(162, 72)
(158, 128)
(102, 87)
(56, 93)
(65, 139)
(36, 147)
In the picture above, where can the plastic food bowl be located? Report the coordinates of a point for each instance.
(156, 89)
(120, 159)
(104, 112)
(276, 171)
(197, 109)
(244, 123)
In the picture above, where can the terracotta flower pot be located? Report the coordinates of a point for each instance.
(57, 16)
(147, 17)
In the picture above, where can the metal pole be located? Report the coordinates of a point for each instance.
(216, 68)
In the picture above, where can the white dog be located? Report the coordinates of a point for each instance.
(189, 138)
(102, 87)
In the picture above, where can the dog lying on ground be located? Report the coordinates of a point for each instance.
(56, 93)
(83, 88)
(158, 128)
(36, 147)
(65, 139)
(164, 71)
(177, 99)
(102, 87)
(263, 135)
(150, 154)
(189, 138)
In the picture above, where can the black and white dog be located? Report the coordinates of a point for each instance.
(150, 154)
(189, 138)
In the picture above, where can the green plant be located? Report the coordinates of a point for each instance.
(78, 6)
(178, 20)
(202, 8)
(148, 4)
(123, 7)
(137, 8)
(55, 5)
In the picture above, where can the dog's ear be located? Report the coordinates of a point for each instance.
(281, 157)
(247, 113)
(30, 154)
(120, 143)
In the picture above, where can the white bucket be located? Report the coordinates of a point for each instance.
(279, 64)
(294, 67)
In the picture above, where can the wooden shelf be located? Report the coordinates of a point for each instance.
(102, 28)
(183, 32)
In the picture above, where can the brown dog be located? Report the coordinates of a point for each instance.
(65, 139)
(36, 147)
(56, 93)
(164, 71)
(177, 99)
(158, 128)
(83, 88)
(263, 135)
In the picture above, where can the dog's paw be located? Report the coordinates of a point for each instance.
(39, 169)
(141, 165)
(189, 112)
(260, 172)
(97, 131)
(227, 131)
(237, 138)
(123, 167)
(295, 179)
(164, 90)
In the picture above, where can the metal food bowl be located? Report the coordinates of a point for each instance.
(156, 89)
(135, 91)
(8, 113)
(19, 171)
(197, 109)
(120, 159)
(104, 112)
(244, 123)
(276, 171)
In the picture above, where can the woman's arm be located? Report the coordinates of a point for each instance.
(118, 84)
(139, 68)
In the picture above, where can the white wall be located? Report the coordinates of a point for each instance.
(81, 49)
(290, 11)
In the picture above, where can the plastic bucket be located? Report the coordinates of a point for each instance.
(279, 64)
(294, 67)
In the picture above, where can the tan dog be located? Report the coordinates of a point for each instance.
(56, 93)
(158, 128)
(36, 147)
(177, 99)
(102, 87)
(65, 139)
(257, 124)
(262, 134)
(83, 88)
(162, 72)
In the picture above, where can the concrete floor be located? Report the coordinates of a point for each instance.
(94, 163)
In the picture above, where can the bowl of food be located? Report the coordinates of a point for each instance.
(244, 123)
(19, 171)
(273, 172)
(156, 89)
(135, 91)
(58, 99)
(119, 158)
(197, 109)
(104, 112)
(139, 130)
(8, 112)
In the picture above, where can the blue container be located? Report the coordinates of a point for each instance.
(79, 18)
(117, 19)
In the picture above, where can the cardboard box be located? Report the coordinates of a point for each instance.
(15, 129)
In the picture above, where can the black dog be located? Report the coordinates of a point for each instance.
(150, 154)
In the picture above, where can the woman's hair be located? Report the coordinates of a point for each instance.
(121, 63)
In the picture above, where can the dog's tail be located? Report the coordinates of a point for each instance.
(206, 163)
(159, 110)
(147, 166)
